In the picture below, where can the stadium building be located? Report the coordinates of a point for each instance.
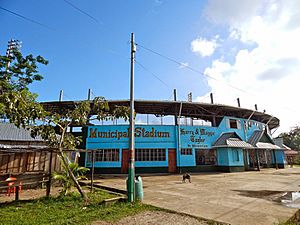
(203, 137)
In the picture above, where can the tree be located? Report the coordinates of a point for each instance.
(78, 116)
(64, 176)
(17, 71)
(19, 105)
(292, 138)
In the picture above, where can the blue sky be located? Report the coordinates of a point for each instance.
(85, 54)
(247, 49)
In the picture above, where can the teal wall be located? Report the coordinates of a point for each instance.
(223, 158)
(166, 137)
(230, 157)
(279, 156)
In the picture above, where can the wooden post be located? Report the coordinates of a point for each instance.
(49, 178)
(275, 161)
(175, 99)
(17, 193)
(93, 168)
(257, 160)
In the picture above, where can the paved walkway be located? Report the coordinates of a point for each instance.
(235, 198)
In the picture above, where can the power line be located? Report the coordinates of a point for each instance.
(141, 65)
(26, 18)
(190, 68)
(157, 77)
(83, 12)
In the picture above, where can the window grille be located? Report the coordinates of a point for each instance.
(186, 151)
(104, 155)
(151, 154)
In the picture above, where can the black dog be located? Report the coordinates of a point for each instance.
(186, 176)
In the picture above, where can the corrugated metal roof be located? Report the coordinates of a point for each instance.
(259, 135)
(9, 132)
(198, 110)
(231, 140)
(14, 147)
(256, 136)
(267, 145)
(291, 152)
(237, 143)
(222, 139)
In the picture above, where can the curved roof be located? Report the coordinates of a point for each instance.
(197, 110)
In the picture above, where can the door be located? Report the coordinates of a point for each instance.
(172, 161)
(125, 161)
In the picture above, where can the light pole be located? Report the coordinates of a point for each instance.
(12, 45)
(131, 172)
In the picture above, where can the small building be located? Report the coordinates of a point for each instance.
(290, 155)
(20, 153)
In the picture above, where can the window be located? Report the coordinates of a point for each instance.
(151, 154)
(104, 155)
(186, 151)
(235, 124)
(206, 157)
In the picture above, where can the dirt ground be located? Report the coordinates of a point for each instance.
(148, 217)
(246, 198)
(29, 194)
(155, 218)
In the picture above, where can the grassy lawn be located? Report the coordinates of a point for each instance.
(68, 210)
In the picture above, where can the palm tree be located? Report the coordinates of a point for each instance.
(65, 177)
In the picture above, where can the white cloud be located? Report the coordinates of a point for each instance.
(203, 46)
(269, 72)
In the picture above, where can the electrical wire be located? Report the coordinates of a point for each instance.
(141, 65)
(157, 77)
(26, 18)
(83, 12)
(190, 68)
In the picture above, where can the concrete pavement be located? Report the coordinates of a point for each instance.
(235, 198)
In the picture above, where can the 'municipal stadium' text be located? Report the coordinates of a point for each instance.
(138, 132)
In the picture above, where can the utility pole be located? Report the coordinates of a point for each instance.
(190, 99)
(131, 172)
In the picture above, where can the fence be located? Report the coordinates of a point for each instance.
(28, 168)
(29, 161)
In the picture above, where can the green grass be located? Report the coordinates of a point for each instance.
(68, 210)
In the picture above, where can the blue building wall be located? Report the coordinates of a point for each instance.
(223, 157)
(230, 157)
(279, 156)
(167, 137)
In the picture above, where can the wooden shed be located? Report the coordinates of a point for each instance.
(20, 153)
